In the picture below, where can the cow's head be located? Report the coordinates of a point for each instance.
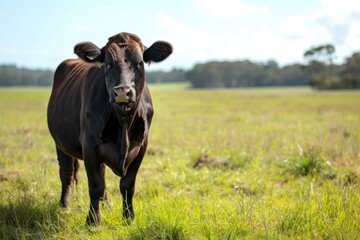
(123, 60)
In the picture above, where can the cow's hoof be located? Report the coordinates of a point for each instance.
(93, 219)
(128, 217)
(63, 204)
(127, 221)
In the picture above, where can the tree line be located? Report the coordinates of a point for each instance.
(208, 75)
(319, 71)
(11, 75)
(246, 74)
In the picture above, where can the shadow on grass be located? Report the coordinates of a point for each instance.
(25, 217)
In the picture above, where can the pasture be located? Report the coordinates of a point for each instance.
(261, 163)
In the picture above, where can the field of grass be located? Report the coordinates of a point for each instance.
(267, 163)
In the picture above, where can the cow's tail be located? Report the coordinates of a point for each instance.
(76, 168)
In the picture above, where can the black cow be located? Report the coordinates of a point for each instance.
(100, 111)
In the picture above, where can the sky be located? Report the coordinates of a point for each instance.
(42, 33)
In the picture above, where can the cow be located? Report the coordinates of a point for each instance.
(100, 111)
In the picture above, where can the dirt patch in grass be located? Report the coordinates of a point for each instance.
(205, 159)
(12, 174)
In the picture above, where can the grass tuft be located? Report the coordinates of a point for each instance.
(160, 221)
(308, 162)
(26, 215)
(350, 179)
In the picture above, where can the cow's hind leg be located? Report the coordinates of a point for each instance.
(67, 169)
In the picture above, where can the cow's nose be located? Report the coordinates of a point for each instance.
(122, 94)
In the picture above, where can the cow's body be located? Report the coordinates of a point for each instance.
(100, 111)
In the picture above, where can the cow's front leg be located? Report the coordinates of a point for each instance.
(106, 197)
(127, 185)
(127, 188)
(96, 183)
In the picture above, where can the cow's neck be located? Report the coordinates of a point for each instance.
(125, 122)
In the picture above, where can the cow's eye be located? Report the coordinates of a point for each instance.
(137, 65)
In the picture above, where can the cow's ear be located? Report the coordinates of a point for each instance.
(157, 52)
(88, 51)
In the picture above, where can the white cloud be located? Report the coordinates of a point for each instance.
(341, 22)
(294, 27)
(230, 8)
(284, 40)
(193, 45)
(341, 6)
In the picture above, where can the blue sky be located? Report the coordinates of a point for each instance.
(40, 34)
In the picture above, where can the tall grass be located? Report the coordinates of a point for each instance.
(276, 163)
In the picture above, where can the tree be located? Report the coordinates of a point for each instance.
(322, 53)
(351, 72)
(206, 76)
(320, 66)
(294, 75)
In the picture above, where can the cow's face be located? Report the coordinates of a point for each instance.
(123, 60)
(124, 75)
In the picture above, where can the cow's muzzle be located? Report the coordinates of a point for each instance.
(124, 98)
(123, 94)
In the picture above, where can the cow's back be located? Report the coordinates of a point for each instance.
(65, 104)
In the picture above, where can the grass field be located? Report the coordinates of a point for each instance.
(268, 163)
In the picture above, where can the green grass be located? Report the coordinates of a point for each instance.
(260, 163)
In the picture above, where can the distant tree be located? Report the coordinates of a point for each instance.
(294, 75)
(230, 74)
(350, 73)
(272, 75)
(320, 66)
(175, 75)
(206, 76)
(322, 53)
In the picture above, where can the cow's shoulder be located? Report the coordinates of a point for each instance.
(62, 72)
(66, 66)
